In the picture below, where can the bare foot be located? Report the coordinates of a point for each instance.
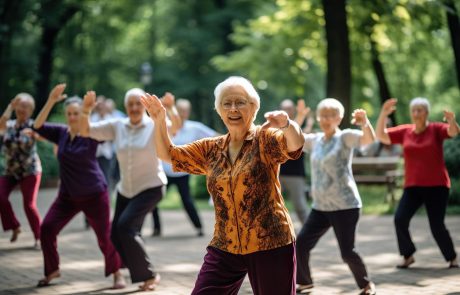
(453, 263)
(118, 280)
(15, 234)
(46, 280)
(369, 289)
(304, 289)
(150, 284)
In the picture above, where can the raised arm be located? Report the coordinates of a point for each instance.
(168, 101)
(292, 131)
(453, 129)
(157, 113)
(89, 102)
(7, 114)
(360, 119)
(56, 95)
(388, 107)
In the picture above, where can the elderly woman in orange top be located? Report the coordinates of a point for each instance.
(253, 232)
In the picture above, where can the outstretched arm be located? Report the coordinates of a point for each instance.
(292, 131)
(360, 119)
(89, 101)
(56, 95)
(7, 113)
(388, 107)
(157, 113)
(453, 129)
(168, 101)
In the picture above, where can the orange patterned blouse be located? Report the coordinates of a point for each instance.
(250, 211)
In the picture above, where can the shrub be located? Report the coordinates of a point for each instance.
(452, 158)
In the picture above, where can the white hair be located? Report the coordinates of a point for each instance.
(133, 92)
(420, 101)
(27, 97)
(233, 81)
(331, 103)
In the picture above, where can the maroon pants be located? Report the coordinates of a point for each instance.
(97, 211)
(29, 187)
(270, 272)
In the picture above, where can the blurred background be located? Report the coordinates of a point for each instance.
(358, 51)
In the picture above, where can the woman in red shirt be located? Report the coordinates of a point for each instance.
(426, 179)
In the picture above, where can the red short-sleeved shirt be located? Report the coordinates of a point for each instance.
(423, 154)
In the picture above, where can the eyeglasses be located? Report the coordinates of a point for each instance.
(239, 104)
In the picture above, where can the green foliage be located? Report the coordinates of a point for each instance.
(452, 158)
(49, 162)
(198, 187)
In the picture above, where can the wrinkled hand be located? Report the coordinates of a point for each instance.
(56, 95)
(302, 109)
(168, 100)
(389, 106)
(154, 107)
(359, 117)
(89, 100)
(275, 119)
(449, 116)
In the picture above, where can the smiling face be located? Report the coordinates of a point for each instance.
(134, 109)
(72, 115)
(418, 114)
(236, 110)
(328, 119)
(24, 108)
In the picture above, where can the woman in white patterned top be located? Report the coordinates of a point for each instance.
(336, 201)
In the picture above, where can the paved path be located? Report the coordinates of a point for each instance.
(178, 256)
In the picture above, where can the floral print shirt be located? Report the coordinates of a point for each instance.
(21, 158)
(332, 183)
(250, 212)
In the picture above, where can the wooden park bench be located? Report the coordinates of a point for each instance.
(378, 170)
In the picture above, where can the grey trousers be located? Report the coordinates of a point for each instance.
(295, 188)
(126, 231)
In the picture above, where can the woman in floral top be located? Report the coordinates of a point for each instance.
(336, 201)
(253, 232)
(22, 167)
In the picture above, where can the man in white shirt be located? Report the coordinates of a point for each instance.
(190, 131)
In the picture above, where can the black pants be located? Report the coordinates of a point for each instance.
(344, 224)
(183, 187)
(435, 201)
(126, 231)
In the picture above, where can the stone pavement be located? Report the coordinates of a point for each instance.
(178, 255)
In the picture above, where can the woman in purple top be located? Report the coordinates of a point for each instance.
(22, 165)
(83, 188)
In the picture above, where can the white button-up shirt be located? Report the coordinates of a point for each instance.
(140, 168)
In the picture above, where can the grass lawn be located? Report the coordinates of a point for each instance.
(373, 197)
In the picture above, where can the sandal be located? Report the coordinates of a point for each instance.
(304, 289)
(43, 283)
(406, 262)
(369, 289)
(46, 280)
(150, 284)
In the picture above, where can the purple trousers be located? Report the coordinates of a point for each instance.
(270, 272)
(29, 187)
(97, 211)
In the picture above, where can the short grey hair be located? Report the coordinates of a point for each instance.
(331, 103)
(133, 92)
(183, 103)
(420, 101)
(236, 81)
(27, 97)
(73, 99)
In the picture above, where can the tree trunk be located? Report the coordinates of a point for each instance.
(384, 89)
(51, 30)
(338, 55)
(454, 28)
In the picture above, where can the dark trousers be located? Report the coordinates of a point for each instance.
(96, 210)
(126, 231)
(435, 201)
(344, 224)
(183, 187)
(29, 187)
(270, 272)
